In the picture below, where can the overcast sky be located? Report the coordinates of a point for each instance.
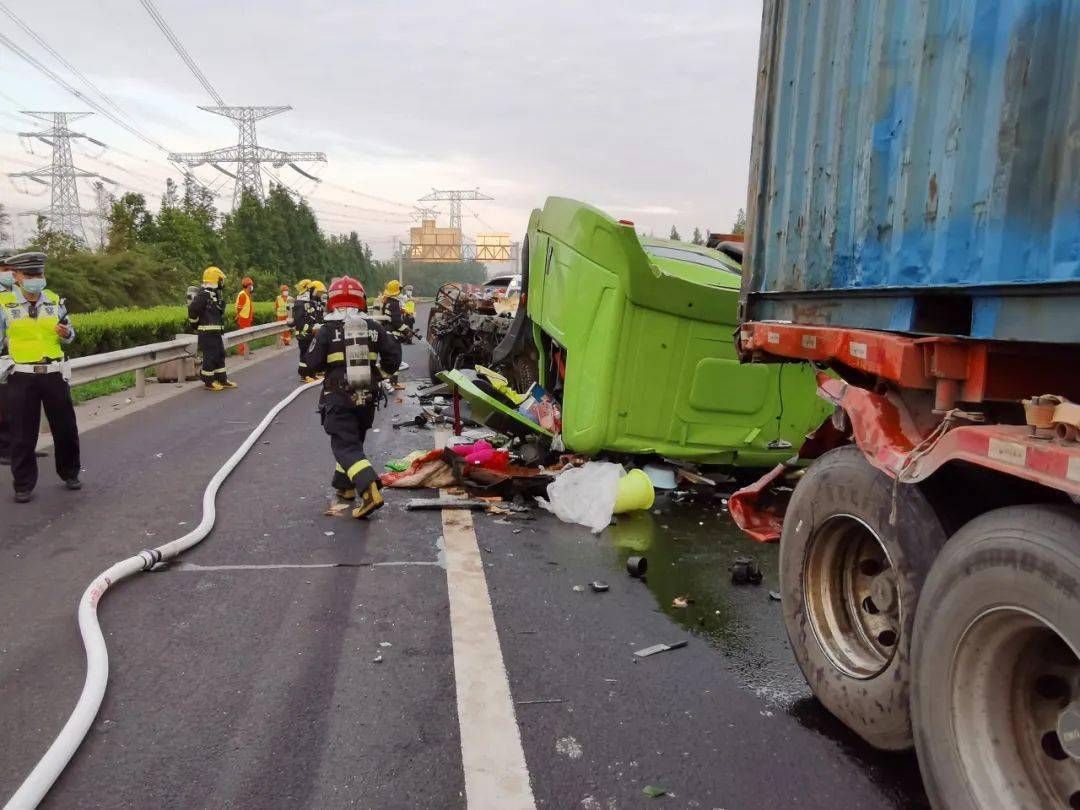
(641, 108)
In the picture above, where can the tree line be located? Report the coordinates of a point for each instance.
(145, 258)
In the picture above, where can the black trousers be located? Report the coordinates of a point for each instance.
(26, 395)
(5, 424)
(212, 347)
(304, 342)
(347, 425)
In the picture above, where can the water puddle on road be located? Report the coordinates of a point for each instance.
(690, 546)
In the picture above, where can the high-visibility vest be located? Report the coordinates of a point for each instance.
(243, 306)
(281, 306)
(31, 340)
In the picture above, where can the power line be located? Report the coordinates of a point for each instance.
(182, 51)
(60, 58)
(18, 51)
(368, 196)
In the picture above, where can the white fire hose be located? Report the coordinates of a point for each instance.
(50, 766)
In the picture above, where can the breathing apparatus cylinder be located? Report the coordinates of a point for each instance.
(358, 374)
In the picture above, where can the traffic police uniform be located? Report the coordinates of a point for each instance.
(206, 314)
(6, 283)
(347, 415)
(37, 381)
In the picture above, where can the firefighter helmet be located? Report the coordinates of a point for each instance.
(346, 293)
(393, 287)
(212, 275)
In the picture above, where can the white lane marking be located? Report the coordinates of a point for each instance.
(492, 757)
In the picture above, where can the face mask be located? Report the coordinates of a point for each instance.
(33, 285)
(7, 279)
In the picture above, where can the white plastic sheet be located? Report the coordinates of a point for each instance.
(585, 495)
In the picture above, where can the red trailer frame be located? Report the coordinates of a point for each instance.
(930, 414)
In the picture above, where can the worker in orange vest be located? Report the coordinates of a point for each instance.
(282, 311)
(245, 310)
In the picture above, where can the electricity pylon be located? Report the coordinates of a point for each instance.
(248, 155)
(454, 197)
(63, 215)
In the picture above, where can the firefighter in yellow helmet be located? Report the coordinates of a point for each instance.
(206, 315)
(391, 304)
(307, 315)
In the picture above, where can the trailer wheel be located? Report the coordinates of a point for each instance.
(434, 366)
(996, 692)
(850, 580)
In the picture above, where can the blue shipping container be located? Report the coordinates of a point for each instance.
(916, 167)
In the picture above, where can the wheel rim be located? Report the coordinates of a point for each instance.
(1013, 676)
(852, 597)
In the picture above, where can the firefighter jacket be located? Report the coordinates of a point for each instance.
(306, 314)
(327, 354)
(206, 312)
(392, 307)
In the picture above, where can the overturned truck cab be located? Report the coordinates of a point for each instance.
(635, 339)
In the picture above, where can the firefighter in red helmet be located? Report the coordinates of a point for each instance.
(355, 353)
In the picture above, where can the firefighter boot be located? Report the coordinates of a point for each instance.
(370, 500)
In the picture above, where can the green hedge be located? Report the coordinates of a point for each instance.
(113, 329)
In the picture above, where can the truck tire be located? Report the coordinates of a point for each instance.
(850, 579)
(996, 658)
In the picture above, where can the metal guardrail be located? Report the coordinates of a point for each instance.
(139, 358)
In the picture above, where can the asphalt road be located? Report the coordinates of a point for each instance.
(245, 675)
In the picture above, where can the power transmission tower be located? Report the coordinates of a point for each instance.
(419, 213)
(63, 215)
(454, 197)
(247, 155)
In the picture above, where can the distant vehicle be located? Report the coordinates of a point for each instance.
(634, 337)
(498, 284)
(913, 224)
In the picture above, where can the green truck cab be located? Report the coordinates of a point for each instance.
(635, 338)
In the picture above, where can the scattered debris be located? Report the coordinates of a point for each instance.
(577, 589)
(637, 566)
(774, 595)
(385, 644)
(568, 747)
(654, 792)
(329, 534)
(745, 571)
(659, 648)
(337, 508)
(679, 602)
(598, 586)
(377, 659)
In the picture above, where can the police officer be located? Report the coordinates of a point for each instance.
(206, 314)
(354, 365)
(7, 281)
(34, 323)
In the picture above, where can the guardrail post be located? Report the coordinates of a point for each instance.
(140, 382)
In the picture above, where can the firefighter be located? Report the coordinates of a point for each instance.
(206, 314)
(391, 304)
(283, 312)
(355, 352)
(34, 323)
(245, 310)
(305, 317)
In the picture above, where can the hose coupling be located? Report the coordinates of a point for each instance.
(150, 557)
